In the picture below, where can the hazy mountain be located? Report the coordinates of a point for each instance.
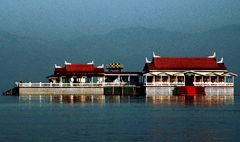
(30, 59)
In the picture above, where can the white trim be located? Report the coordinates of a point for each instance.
(213, 56)
(56, 66)
(230, 73)
(155, 56)
(102, 66)
(147, 61)
(91, 63)
(122, 74)
(221, 61)
(188, 70)
(67, 63)
(213, 84)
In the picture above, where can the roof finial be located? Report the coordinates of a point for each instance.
(56, 66)
(91, 63)
(102, 66)
(66, 63)
(221, 61)
(147, 61)
(213, 56)
(154, 55)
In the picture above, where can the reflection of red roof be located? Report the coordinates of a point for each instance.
(79, 69)
(184, 63)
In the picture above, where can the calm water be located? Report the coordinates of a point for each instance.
(119, 119)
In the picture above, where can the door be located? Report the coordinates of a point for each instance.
(189, 79)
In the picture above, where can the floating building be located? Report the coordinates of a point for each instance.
(162, 76)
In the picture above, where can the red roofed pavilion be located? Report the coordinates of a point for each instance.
(77, 73)
(186, 71)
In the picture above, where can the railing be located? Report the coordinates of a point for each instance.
(120, 84)
(183, 84)
(58, 84)
(75, 84)
(164, 84)
(213, 84)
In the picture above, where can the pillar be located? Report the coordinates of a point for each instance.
(119, 78)
(60, 79)
(129, 79)
(146, 79)
(184, 78)
(168, 79)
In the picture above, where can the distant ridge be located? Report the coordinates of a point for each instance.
(233, 28)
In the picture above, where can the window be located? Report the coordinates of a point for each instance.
(213, 79)
(157, 78)
(165, 79)
(199, 79)
(221, 78)
(180, 78)
(134, 79)
(124, 78)
(229, 79)
(172, 78)
(206, 79)
(149, 79)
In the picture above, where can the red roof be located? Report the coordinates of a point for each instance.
(60, 70)
(184, 63)
(79, 69)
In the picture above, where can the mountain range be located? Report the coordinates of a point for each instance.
(30, 59)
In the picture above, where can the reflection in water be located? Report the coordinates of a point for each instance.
(201, 100)
(206, 100)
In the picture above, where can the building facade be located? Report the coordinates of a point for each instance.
(163, 75)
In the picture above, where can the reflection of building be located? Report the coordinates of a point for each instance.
(163, 75)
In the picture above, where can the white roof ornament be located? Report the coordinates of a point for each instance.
(154, 55)
(66, 63)
(56, 66)
(91, 63)
(102, 66)
(221, 61)
(213, 56)
(147, 61)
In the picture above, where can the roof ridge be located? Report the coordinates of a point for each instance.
(182, 57)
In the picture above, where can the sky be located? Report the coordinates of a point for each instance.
(70, 19)
(66, 19)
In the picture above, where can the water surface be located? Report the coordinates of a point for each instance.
(119, 119)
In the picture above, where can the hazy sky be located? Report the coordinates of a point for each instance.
(70, 18)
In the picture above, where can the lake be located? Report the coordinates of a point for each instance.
(119, 119)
